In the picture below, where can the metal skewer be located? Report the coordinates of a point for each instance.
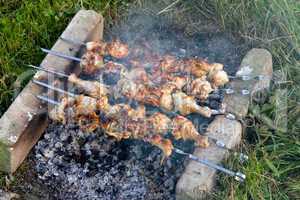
(218, 143)
(242, 77)
(58, 54)
(237, 175)
(213, 111)
(53, 88)
(227, 90)
(49, 71)
(46, 99)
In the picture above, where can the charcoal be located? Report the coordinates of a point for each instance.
(77, 165)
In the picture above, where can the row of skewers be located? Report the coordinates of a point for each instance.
(165, 82)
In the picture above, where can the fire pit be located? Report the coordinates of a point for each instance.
(77, 151)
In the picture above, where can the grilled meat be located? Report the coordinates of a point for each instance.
(186, 105)
(58, 113)
(164, 144)
(218, 78)
(94, 89)
(200, 88)
(88, 123)
(159, 123)
(97, 47)
(117, 49)
(184, 129)
(91, 62)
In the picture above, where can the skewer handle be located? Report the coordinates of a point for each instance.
(248, 77)
(237, 175)
(232, 91)
(242, 157)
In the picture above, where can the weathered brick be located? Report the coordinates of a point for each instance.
(25, 120)
(198, 180)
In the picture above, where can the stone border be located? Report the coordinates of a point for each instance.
(25, 120)
(198, 180)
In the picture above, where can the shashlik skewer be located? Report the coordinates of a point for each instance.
(198, 88)
(181, 127)
(164, 98)
(168, 148)
(159, 122)
(241, 77)
(91, 62)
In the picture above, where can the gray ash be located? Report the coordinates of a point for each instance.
(77, 165)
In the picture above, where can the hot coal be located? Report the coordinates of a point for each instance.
(77, 165)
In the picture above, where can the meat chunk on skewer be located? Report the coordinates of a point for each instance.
(58, 113)
(200, 88)
(218, 78)
(88, 123)
(184, 129)
(80, 109)
(159, 123)
(186, 105)
(117, 49)
(98, 47)
(91, 62)
(94, 89)
(164, 144)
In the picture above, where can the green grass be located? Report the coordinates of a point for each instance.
(273, 170)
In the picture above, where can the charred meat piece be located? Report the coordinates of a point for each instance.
(186, 105)
(117, 49)
(139, 92)
(115, 130)
(171, 64)
(184, 129)
(85, 105)
(164, 144)
(97, 47)
(138, 75)
(124, 111)
(88, 123)
(91, 63)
